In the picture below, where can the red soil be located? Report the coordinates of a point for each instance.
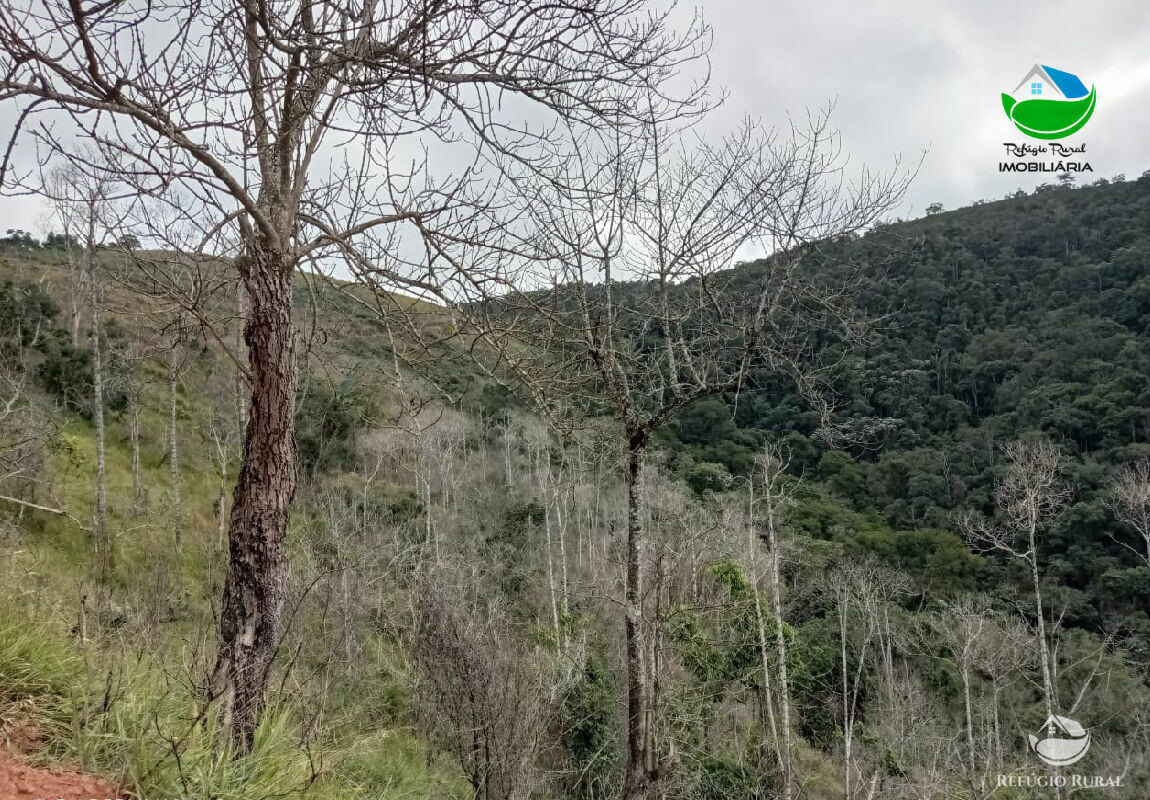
(19, 781)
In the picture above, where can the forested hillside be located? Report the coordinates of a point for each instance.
(1021, 317)
(836, 607)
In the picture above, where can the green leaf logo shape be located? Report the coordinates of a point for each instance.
(1059, 106)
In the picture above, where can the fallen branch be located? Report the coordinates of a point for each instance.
(57, 511)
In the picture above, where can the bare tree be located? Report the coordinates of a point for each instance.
(222, 428)
(1005, 649)
(82, 201)
(624, 308)
(980, 645)
(553, 482)
(962, 626)
(177, 354)
(60, 184)
(768, 502)
(490, 700)
(24, 428)
(104, 550)
(427, 442)
(1030, 495)
(134, 391)
(1130, 500)
(862, 591)
(225, 113)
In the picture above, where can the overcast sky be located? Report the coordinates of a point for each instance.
(912, 76)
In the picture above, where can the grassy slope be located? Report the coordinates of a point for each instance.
(115, 703)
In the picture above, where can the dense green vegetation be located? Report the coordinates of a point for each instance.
(1025, 316)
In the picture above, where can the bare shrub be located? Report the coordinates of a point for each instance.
(487, 696)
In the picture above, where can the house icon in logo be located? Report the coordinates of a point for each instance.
(1064, 743)
(1048, 83)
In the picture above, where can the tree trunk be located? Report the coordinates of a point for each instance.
(105, 561)
(551, 571)
(637, 778)
(1043, 647)
(75, 292)
(431, 543)
(222, 499)
(995, 725)
(969, 709)
(848, 721)
(134, 435)
(655, 694)
(174, 457)
(760, 624)
(780, 636)
(253, 599)
(510, 478)
(561, 527)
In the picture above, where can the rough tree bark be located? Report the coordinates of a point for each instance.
(254, 590)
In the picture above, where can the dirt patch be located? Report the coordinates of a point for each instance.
(20, 781)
